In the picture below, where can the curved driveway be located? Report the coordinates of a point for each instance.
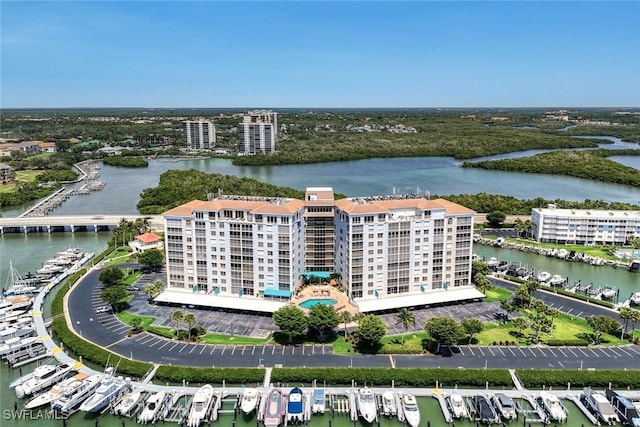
(107, 331)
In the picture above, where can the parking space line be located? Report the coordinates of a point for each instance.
(173, 347)
(244, 347)
(203, 348)
(521, 351)
(233, 349)
(303, 347)
(582, 351)
(551, 351)
(624, 351)
(594, 352)
(165, 343)
(511, 350)
(481, 352)
(283, 350)
(273, 350)
(253, 349)
(141, 337)
(154, 343)
(491, 351)
(571, 350)
(461, 352)
(471, 350)
(224, 348)
(264, 347)
(580, 314)
(633, 349)
(500, 348)
(532, 352)
(194, 347)
(183, 347)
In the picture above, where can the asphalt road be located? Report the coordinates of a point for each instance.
(107, 331)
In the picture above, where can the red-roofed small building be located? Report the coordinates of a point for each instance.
(146, 241)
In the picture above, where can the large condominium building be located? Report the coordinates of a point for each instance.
(258, 133)
(251, 253)
(199, 135)
(585, 226)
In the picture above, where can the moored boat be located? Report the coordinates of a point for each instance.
(505, 406)
(319, 403)
(411, 410)
(557, 280)
(249, 400)
(544, 277)
(626, 410)
(68, 403)
(200, 406)
(66, 387)
(107, 392)
(129, 402)
(389, 404)
(366, 404)
(458, 406)
(151, 407)
(600, 406)
(295, 410)
(553, 407)
(484, 410)
(274, 408)
(44, 376)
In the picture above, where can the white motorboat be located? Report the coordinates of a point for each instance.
(44, 376)
(492, 262)
(10, 331)
(505, 406)
(366, 404)
(274, 408)
(16, 344)
(411, 410)
(249, 400)
(295, 406)
(108, 390)
(389, 404)
(129, 402)
(562, 253)
(63, 388)
(557, 280)
(635, 298)
(553, 407)
(200, 406)
(544, 277)
(151, 407)
(68, 402)
(458, 406)
(600, 406)
(319, 403)
(608, 293)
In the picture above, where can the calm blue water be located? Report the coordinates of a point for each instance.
(315, 301)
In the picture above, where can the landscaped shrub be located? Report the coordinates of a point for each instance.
(538, 378)
(397, 348)
(214, 376)
(95, 354)
(572, 342)
(402, 377)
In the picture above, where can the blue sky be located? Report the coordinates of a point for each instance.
(319, 54)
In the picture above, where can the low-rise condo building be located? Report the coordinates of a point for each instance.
(585, 226)
(252, 253)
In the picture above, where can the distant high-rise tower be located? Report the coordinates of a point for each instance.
(258, 132)
(199, 135)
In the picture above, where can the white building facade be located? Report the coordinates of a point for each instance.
(258, 133)
(585, 226)
(389, 251)
(199, 134)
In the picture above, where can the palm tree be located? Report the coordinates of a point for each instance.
(635, 318)
(482, 283)
(518, 225)
(528, 226)
(626, 314)
(345, 317)
(189, 319)
(405, 318)
(177, 317)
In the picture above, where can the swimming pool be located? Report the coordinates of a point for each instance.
(314, 301)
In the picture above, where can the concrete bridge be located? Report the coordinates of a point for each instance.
(72, 223)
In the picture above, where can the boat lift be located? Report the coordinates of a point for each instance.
(444, 407)
(587, 413)
(534, 415)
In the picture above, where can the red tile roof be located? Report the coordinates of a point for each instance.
(148, 238)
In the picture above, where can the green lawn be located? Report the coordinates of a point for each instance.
(21, 175)
(497, 294)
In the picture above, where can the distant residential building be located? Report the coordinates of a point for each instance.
(47, 147)
(258, 133)
(199, 134)
(6, 173)
(29, 147)
(585, 226)
(146, 241)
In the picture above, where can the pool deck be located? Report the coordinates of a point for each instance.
(325, 291)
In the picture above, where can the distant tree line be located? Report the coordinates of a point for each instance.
(127, 162)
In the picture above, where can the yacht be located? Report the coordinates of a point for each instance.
(366, 404)
(249, 400)
(16, 344)
(505, 406)
(557, 280)
(492, 262)
(63, 388)
(129, 403)
(11, 331)
(68, 403)
(389, 404)
(200, 405)
(600, 406)
(411, 410)
(44, 376)
(625, 409)
(107, 392)
(318, 405)
(295, 406)
(544, 277)
(151, 407)
(485, 411)
(274, 408)
(553, 407)
(458, 406)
